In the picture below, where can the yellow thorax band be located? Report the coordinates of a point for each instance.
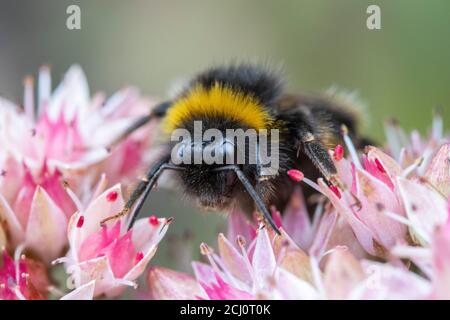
(217, 101)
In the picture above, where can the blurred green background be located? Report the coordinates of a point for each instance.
(401, 71)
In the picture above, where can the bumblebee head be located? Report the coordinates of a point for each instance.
(221, 99)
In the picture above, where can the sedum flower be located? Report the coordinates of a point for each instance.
(345, 277)
(66, 139)
(369, 189)
(111, 256)
(269, 267)
(22, 278)
(36, 215)
(382, 206)
(68, 129)
(72, 134)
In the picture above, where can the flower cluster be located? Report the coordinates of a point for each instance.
(382, 231)
(60, 162)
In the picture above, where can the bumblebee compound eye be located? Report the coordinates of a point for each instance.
(179, 154)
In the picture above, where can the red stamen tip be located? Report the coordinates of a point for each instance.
(80, 222)
(112, 196)
(336, 191)
(296, 175)
(380, 166)
(338, 152)
(139, 257)
(153, 220)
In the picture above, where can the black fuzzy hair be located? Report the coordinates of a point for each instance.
(262, 84)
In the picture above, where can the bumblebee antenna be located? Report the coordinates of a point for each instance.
(251, 190)
(157, 112)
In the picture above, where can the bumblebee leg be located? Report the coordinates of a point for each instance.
(150, 182)
(319, 156)
(255, 196)
(141, 192)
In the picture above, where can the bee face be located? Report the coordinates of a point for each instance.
(201, 181)
(211, 189)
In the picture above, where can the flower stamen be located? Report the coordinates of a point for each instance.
(351, 147)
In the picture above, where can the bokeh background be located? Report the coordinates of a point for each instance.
(401, 71)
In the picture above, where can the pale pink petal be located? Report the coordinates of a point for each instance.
(100, 187)
(232, 259)
(384, 281)
(100, 209)
(296, 220)
(220, 290)
(323, 234)
(72, 94)
(238, 225)
(166, 284)
(109, 132)
(84, 292)
(438, 173)
(441, 262)
(203, 272)
(344, 170)
(263, 262)
(289, 287)
(11, 178)
(391, 167)
(298, 263)
(343, 235)
(364, 235)
(46, 228)
(425, 208)
(141, 264)
(148, 233)
(375, 197)
(95, 269)
(421, 256)
(96, 242)
(342, 273)
(16, 230)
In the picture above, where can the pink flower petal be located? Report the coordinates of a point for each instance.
(220, 290)
(425, 208)
(203, 272)
(296, 220)
(375, 195)
(441, 262)
(390, 167)
(15, 229)
(146, 235)
(238, 225)
(166, 284)
(438, 173)
(263, 262)
(364, 235)
(46, 228)
(323, 234)
(387, 282)
(289, 287)
(84, 292)
(99, 270)
(342, 274)
(99, 209)
(232, 259)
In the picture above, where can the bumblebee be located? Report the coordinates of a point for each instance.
(245, 97)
